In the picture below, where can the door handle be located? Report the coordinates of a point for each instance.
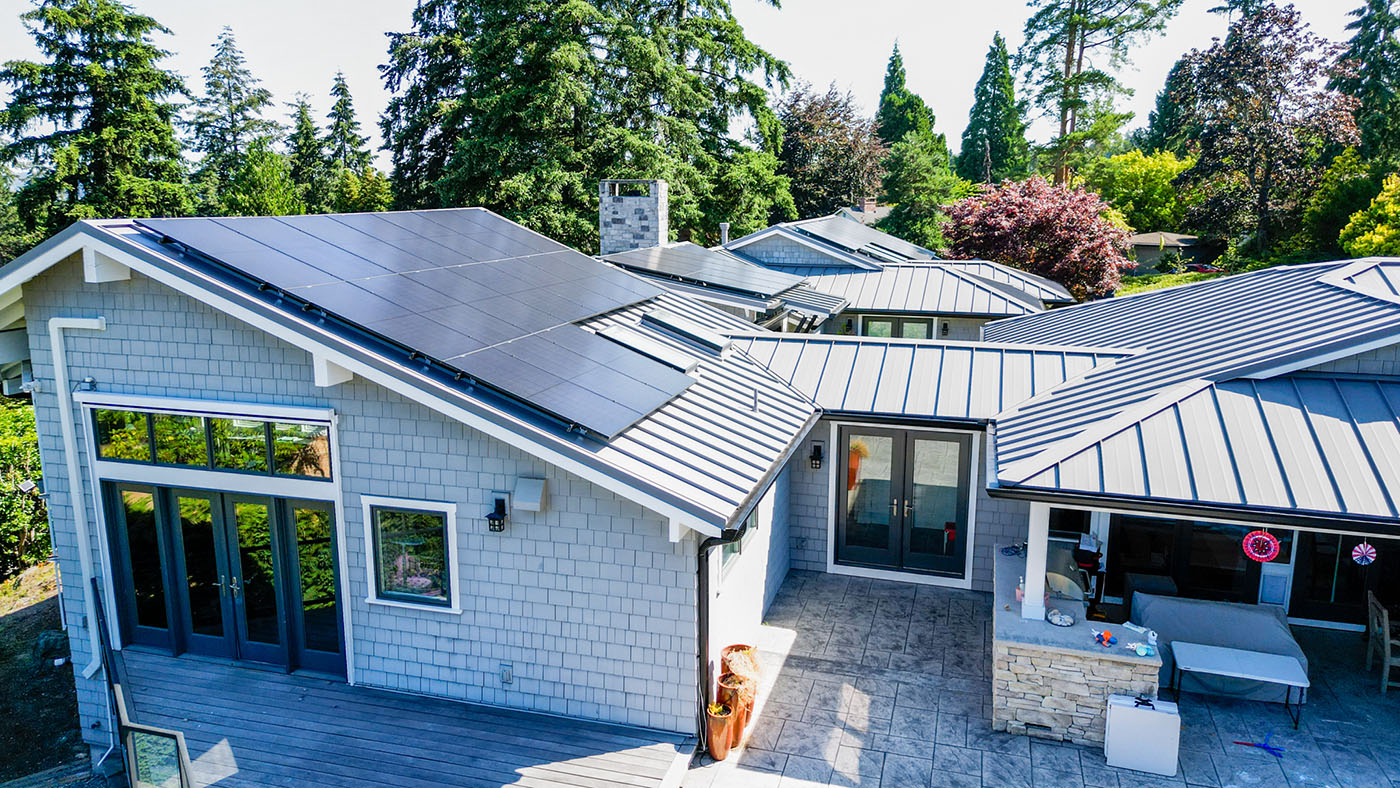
(233, 586)
(908, 508)
(894, 508)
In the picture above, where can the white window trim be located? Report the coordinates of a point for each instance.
(202, 407)
(964, 582)
(446, 508)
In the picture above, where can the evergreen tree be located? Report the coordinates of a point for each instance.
(1169, 126)
(306, 159)
(95, 117)
(1371, 74)
(521, 106)
(1072, 50)
(15, 238)
(343, 141)
(920, 183)
(994, 145)
(228, 117)
(901, 111)
(831, 153)
(360, 193)
(263, 184)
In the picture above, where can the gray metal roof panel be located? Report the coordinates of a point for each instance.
(911, 378)
(856, 237)
(919, 288)
(1317, 445)
(692, 263)
(1046, 290)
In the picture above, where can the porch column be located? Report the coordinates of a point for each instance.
(1037, 541)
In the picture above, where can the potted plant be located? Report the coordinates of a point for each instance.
(741, 659)
(719, 723)
(738, 692)
(858, 452)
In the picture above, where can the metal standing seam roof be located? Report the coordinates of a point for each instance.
(850, 234)
(921, 288)
(697, 452)
(1297, 442)
(1047, 290)
(1218, 349)
(955, 381)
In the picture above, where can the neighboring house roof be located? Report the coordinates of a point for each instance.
(741, 423)
(1204, 346)
(930, 288)
(846, 240)
(1163, 240)
(724, 278)
(1046, 290)
(954, 381)
(867, 217)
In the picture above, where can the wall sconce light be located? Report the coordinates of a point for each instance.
(943, 329)
(818, 454)
(496, 518)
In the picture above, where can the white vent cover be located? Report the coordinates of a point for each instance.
(528, 495)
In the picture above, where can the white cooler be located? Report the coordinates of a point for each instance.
(1142, 734)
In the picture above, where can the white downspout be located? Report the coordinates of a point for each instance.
(64, 393)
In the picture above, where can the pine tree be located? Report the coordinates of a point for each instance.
(1371, 74)
(344, 144)
(901, 111)
(920, 183)
(521, 106)
(1170, 126)
(228, 117)
(95, 116)
(306, 159)
(263, 184)
(994, 145)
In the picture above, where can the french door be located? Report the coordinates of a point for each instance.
(1329, 586)
(898, 327)
(903, 500)
(248, 577)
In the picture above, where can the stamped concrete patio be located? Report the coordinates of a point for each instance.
(872, 683)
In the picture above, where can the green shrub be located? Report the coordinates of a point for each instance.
(24, 534)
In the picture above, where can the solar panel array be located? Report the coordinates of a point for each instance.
(464, 287)
(693, 263)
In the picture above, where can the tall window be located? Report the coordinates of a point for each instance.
(413, 551)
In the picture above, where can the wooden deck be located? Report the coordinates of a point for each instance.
(246, 727)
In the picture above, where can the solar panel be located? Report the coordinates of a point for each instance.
(853, 235)
(465, 287)
(694, 263)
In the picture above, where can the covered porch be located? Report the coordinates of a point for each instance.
(879, 683)
(246, 727)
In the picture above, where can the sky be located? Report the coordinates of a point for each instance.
(296, 46)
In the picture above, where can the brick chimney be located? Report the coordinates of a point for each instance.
(867, 205)
(632, 215)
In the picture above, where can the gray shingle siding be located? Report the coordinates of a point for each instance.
(1381, 361)
(589, 601)
(998, 520)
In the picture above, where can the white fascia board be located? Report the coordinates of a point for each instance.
(318, 340)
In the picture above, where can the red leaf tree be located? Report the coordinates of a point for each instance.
(1057, 232)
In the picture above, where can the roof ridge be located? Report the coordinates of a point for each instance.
(1031, 347)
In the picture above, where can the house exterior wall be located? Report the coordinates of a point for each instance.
(961, 329)
(588, 601)
(998, 521)
(778, 249)
(1381, 361)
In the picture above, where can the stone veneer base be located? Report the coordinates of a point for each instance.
(1053, 694)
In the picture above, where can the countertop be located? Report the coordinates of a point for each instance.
(1009, 627)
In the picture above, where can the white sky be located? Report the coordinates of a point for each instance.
(297, 45)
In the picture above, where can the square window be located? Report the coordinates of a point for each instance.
(239, 444)
(122, 435)
(301, 450)
(180, 440)
(411, 555)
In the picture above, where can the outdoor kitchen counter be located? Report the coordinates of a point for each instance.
(1054, 682)
(1011, 628)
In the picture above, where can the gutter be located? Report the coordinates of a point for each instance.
(62, 391)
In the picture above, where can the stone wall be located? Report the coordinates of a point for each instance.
(632, 215)
(1059, 695)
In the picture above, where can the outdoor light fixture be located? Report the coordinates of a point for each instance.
(30, 487)
(943, 329)
(496, 518)
(817, 452)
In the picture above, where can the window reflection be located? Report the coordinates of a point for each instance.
(411, 554)
(301, 450)
(123, 435)
(180, 440)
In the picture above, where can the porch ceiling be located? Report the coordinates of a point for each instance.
(248, 727)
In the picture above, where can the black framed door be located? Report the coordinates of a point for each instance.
(904, 500)
(898, 327)
(1329, 586)
(229, 575)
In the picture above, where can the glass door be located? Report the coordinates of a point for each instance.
(202, 560)
(868, 528)
(140, 556)
(253, 573)
(935, 502)
(906, 500)
(315, 611)
(1329, 586)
